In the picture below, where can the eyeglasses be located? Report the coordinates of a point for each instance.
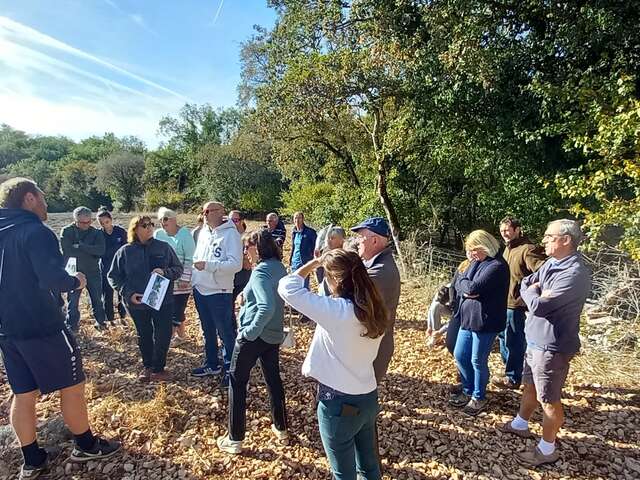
(147, 225)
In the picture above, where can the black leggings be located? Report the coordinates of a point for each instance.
(179, 306)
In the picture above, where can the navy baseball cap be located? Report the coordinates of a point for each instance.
(376, 224)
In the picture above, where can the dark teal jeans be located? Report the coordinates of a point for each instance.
(349, 438)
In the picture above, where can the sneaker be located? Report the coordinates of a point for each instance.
(34, 471)
(281, 435)
(145, 375)
(535, 457)
(505, 382)
(162, 376)
(459, 399)
(234, 447)
(475, 406)
(507, 428)
(102, 449)
(205, 372)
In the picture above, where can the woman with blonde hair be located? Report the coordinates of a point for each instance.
(350, 325)
(481, 292)
(130, 272)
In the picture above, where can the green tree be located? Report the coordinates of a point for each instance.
(121, 176)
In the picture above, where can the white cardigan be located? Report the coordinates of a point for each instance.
(339, 356)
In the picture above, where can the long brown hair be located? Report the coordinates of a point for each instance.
(135, 222)
(353, 283)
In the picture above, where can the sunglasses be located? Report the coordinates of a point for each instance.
(207, 212)
(147, 225)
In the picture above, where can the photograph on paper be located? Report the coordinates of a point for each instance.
(155, 291)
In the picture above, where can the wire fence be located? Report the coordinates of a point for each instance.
(615, 276)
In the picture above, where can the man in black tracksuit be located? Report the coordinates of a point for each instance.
(40, 355)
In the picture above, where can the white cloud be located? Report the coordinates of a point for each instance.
(50, 87)
(217, 15)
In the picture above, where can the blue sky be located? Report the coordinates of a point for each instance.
(86, 67)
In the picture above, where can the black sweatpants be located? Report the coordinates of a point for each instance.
(245, 356)
(154, 335)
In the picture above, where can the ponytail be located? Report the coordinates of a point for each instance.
(354, 283)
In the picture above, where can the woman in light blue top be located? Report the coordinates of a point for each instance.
(260, 334)
(182, 243)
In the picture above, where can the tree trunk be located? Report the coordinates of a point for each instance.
(381, 187)
(389, 209)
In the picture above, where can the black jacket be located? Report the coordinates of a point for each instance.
(32, 275)
(89, 249)
(132, 266)
(489, 280)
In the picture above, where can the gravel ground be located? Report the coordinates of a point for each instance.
(169, 430)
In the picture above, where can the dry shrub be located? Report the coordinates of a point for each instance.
(161, 412)
(607, 368)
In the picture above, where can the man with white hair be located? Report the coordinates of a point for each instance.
(554, 296)
(276, 228)
(86, 244)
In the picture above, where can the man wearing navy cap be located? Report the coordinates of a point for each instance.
(377, 254)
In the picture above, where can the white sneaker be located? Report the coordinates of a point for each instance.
(282, 435)
(234, 447)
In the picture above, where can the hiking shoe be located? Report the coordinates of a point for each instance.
(507, 428)
(455, 389)
(145, 375)
(102, 449)
(162, 376)
(535, 457)
(505, 382)
(34, 471)
(281, 435)
(234, 447)
(475, 406)
(205, 372)
(459, 399)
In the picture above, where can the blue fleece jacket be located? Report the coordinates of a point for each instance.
(32, 275)
(482, 292)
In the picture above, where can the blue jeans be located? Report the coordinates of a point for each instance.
(472, 357)
(216, 317)
(94, 288)
(513, 344)
(453, 327)
(348, 438)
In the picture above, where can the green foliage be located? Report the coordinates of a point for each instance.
(121, 175)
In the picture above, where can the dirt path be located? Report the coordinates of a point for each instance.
(169, 431)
